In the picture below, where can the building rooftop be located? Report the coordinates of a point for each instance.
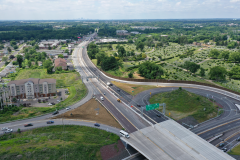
(34, 80)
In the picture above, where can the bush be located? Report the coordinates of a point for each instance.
(130, 75)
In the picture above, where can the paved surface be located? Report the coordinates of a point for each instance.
(43, 123)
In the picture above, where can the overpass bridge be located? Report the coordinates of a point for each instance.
(169, 140)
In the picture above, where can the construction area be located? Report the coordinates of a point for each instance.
(91, 111)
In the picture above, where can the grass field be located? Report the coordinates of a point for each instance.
(181, 103)
(56, 142)
(235, 151)
(72, 81)
(132, 88)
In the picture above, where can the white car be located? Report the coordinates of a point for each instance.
(101, 98)
(8, 131)
(4, 128)
(68, 108)
(50, 104)
(58, 100)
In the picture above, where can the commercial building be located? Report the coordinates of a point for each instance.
(122, 32)
(32, 88)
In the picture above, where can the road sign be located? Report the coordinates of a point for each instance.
(152, 106)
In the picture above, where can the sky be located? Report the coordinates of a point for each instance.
(117, 9)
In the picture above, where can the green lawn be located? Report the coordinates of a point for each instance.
(235, 151)
(53, 142)
(64, 48)
(187, 103)
(72, 81)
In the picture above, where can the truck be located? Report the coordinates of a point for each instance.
(109, 84)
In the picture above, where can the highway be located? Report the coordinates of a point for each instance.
(130, 117)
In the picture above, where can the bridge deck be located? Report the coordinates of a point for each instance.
(170, 140)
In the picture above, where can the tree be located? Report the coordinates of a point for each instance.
(9, 49)
(121, 51)
(191, 66)
(206, 41)
(4, 59)
(59, 68)
(14, 100)
(29, 64)
(47, 63)
(60, 56)
(235, 57)
(49, 69)
(36, 46)
(20, 60)
(150, 70)
(100, 56)
(11, 57)
(140, 46)
(130, 75)
(217, 73)
(66, 51)
(202, 72)
(234, 72)
(15, 47)
(224, 55)
(109, 63)
(214, 53)
(110, 47)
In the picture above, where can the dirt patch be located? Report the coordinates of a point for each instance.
(137, 76)
(88, 111)
(132, 88)
(112, 150)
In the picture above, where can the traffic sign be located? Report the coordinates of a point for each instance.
(152, 106)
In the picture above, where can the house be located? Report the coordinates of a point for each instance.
(59, 62)
(164, 36)
(122, 32)
(135, 32)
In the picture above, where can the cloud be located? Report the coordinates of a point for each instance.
(117, 9)
(234, 1)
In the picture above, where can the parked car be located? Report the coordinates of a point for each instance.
(50, 122)
(58, 100)
(56, 112)
(68, 108)
(8, 131)
(97, 125)
(4, 128)
(27, 125)
(50, 104)
(53, 103)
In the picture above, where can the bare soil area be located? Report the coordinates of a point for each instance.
(92, 111)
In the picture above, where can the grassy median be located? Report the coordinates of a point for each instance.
(56, 142)
(181, 103)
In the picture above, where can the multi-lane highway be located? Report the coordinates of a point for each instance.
(130, 117)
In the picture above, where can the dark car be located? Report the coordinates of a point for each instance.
(221, 144)
(138, 105)
(225, 149)
(238, 139)
(118, 90)
(56, 112)
(50, 122)
(53, 103)
(27, 125)
(158, 115)
(97, 125)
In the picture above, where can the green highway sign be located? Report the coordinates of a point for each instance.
(152, 106)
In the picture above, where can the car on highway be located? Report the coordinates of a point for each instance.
(158, 115)
(68, 108)
(221, 144)
(8, 131)
(28, 125)
(55, 112)
(224, 149)
(118, 90)
(50, 104)
(58, 100)
(138, 105)
(97, 125)
(4, 128)
(50, 122)
(101, 98)
(53, 103)
(238, 139)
